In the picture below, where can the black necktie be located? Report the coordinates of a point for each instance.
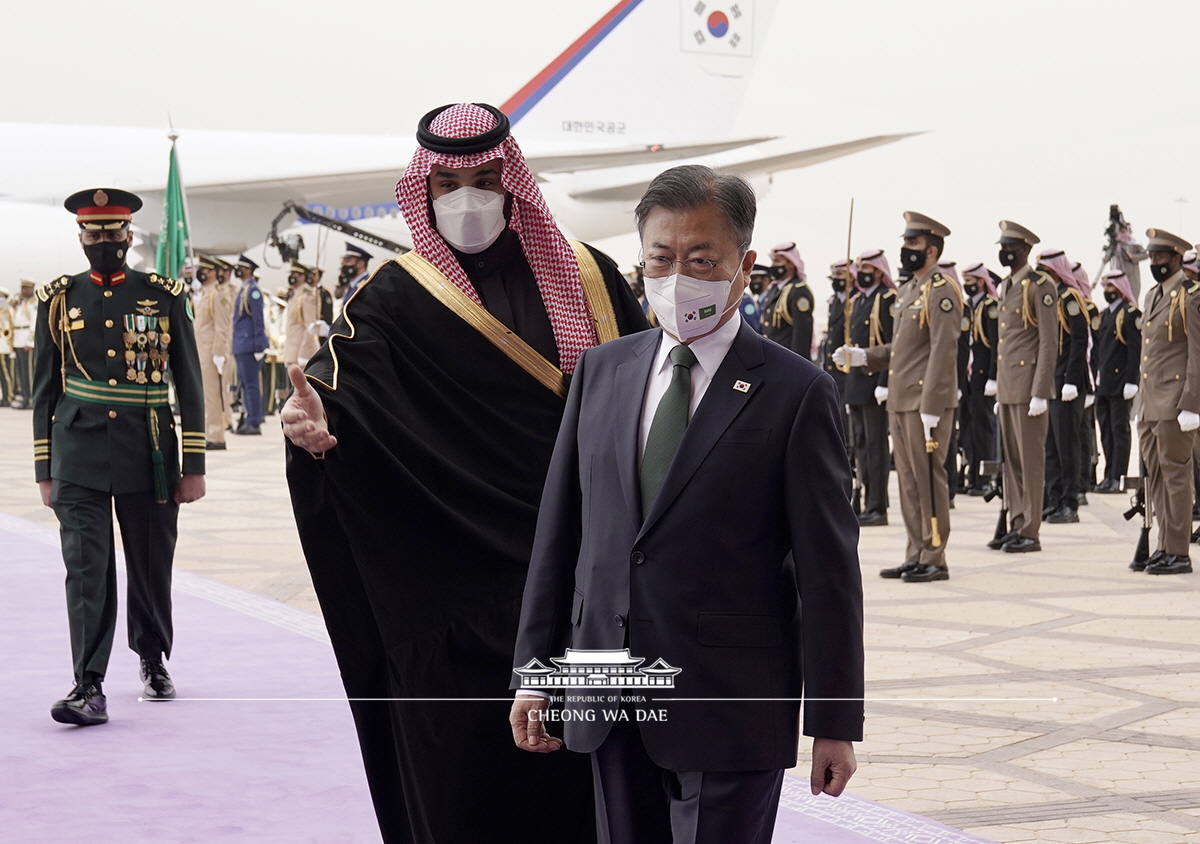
(667, 429)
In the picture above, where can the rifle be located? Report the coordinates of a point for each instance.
(995, 468)
(854, 468)
(1142, 552)
(1116, 222)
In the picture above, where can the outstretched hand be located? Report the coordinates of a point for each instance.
(303, 416)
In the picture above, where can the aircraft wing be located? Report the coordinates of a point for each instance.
(631, 190)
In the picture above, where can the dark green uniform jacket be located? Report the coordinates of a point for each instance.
(104, 346)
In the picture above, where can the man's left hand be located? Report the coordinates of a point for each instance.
(832, 766)
(191, 488)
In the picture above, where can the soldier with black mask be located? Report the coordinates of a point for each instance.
(786, 309)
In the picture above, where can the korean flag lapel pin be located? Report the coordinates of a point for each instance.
(741, 386)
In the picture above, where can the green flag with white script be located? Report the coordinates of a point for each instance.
(173, 235)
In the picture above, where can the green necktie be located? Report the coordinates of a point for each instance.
(670, 422)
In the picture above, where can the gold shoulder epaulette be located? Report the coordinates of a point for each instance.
(168, 284)
(1195, 285)
(57, 286)
(938, 279)
(1041, 277)
(889, 294)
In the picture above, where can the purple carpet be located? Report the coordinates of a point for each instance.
(208, 769)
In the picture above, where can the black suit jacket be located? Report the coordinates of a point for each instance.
(1118, 349)
(747, 581)
(1073, 332)
(878, 306)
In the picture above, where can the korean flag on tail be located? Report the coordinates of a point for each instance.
(717, 27)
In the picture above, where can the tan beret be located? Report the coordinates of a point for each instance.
(919, 224)
(1164, 241)
(1010, 232)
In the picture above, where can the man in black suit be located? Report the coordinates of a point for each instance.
(654, 542)
(1118, 356)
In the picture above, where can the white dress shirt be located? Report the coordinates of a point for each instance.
(709, 350)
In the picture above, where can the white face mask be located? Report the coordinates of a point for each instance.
(470, 219)
(687, 307)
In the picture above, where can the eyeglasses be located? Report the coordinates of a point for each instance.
(660, 266)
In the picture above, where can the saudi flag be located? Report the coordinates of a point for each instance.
(172, 237)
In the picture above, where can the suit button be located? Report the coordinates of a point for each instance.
(112, 414)
(619, 620)
(107, 294)
(1144, 357)
(921, 383)
(999, 357)
(112, 382)
(1145, 375)
(637, 557)
(1022, 363)
(108, 323)
(112, 353)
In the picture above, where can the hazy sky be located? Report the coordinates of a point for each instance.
(1042, 112)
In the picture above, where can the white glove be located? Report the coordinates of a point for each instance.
(1070, 392)
(301, 361)
(1188, 421)
(881, 394)
(856, 357)
(322, 328)
(219, 363)
(1037, 406)
(1089, 400)
(989, 389)
(259, 355)
(929, 422)
(958, 394)
(1129, 391)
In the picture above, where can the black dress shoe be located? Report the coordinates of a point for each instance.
(925, 574)
(999, 542)
(249, 429)
(158, 681)
(1081, 500)
(1022, 545)
(1108, 486)
(1062, 516)
(872, 518)
(899, 571)
(977, 491)
(1048, 511)
(1171, 564)
(1195, 537)
(212, 446)
(1140, 565)
(85, 706)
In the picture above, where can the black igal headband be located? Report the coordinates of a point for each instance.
(463, 146)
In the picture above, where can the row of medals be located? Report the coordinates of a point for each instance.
(146, 340)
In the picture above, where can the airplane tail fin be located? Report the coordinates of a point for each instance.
(648, 72)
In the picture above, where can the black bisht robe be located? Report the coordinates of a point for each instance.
(417, 528)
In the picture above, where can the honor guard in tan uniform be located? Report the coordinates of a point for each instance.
(921, 364)
(214, 333)
(1023, 383)
(1170, 400)
(24, 318)
(303, 311)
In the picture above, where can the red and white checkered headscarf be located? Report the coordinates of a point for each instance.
(980, 272)
(1118, 279)
(1080, 280)
(549, 254)
(950, 270)
(1057, 260)
(790, 251)
(877, 259)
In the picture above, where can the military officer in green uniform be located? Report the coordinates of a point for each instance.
(104, 436)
